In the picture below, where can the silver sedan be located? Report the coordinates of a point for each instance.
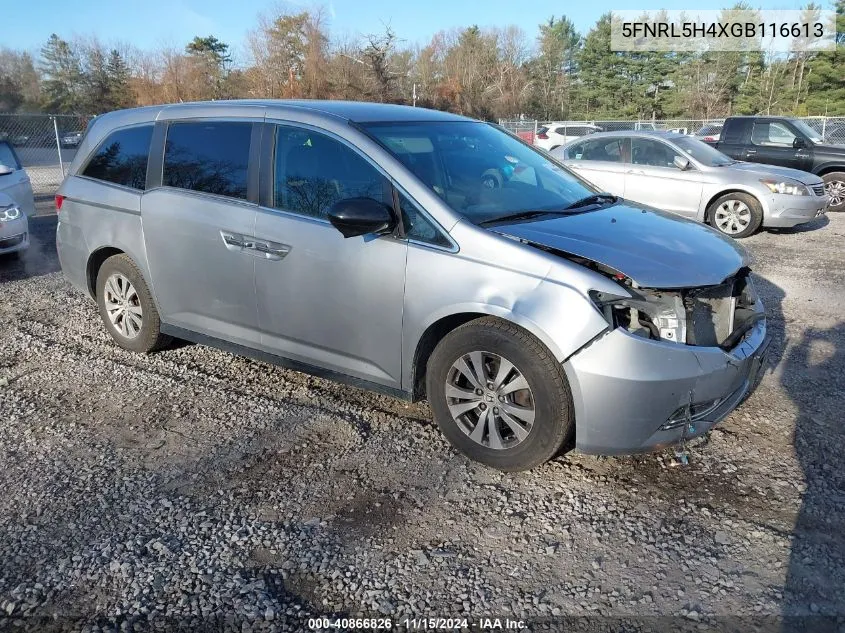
(681, 174)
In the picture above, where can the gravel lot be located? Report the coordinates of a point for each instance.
(192, 489)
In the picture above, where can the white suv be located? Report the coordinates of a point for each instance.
(557, 133)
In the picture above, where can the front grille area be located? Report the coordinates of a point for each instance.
(9, 242)
(818, 189)
(720, 315)
(710, 314)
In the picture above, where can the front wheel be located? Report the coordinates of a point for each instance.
(499, 395)
(735, 214)
(834, 185)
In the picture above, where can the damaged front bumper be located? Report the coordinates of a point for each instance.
(634, 394)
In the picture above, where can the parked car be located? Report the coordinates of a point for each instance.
(709, 132)
(14, 181)
(787, 142)
(553, 135)
(681, 174)
(14, 226)
(72, 139)
(330, 237)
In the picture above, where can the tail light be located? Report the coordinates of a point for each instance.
(543, 136)
(59, 201)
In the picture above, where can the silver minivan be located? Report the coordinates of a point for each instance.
(420, 254)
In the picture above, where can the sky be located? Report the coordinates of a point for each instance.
(153, 23)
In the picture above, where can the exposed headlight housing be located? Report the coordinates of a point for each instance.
(8, 214)
(788, 187)
(654, 314)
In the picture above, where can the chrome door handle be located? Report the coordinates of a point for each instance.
(751, 151)
(233, 241)
(275, 252)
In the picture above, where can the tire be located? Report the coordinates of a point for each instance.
(735, 214)
(492, 179)
(492, 339)
(834, 184)
(133, 300)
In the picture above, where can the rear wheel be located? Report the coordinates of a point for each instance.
(127, 307)
(735, 214)
(499, 395)
(834, 185)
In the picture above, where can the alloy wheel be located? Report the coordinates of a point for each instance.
(836, 190)
(732, 216)
(490, 400)
(123, 305)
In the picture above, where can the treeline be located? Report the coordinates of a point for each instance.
(558, 73)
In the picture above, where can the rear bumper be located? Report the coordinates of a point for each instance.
(626, 388)
(786, 211)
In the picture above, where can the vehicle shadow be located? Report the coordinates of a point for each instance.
(40, 259)
(813, 375)
(814, 225)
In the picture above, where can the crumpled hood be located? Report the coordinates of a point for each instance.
(654, 248)
(776, 171)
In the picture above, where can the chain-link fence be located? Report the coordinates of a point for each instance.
(45, 145)
(831, 129)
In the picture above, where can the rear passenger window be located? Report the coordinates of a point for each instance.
(313, 171)
(208, 157)
(122, 158)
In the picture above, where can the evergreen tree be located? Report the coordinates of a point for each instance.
(120, 91)
(97, 96)
(825, 74)
(554, 68)
(62, 76)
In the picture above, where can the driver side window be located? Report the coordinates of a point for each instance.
(772, 134)
(313, 171)
(653, 153)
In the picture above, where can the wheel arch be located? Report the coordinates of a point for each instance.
(95, 261)
(828, 168)
(735, 189)
(442, 325)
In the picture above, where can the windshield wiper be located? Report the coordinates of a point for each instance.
(596, 198)
(521, 215)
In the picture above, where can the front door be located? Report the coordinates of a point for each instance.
(772, 144)
(323, 299)
(198, 228)
(653, 179)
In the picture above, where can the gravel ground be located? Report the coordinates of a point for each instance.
(192, 489)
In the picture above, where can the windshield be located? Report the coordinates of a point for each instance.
(702, 152)
(478, 170)
(809, 132)
(7, 156)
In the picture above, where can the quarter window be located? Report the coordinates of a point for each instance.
(208, 157)
(122, 158)
(313, 171)
(417, 226)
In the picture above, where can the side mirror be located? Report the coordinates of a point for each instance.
(681, 163)
(5, 170)
(360, 216)
(799, 143)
